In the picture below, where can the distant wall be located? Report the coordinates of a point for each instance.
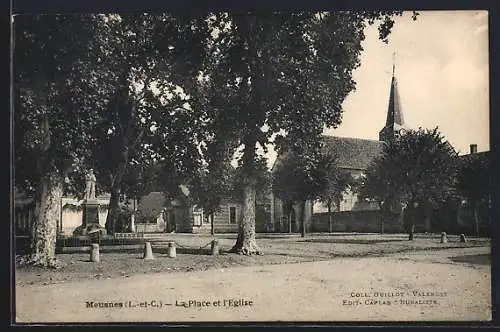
(357, 221)
(280, 223)
(218, 228)
(72, 213)
(72, 218)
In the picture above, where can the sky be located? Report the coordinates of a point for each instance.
(441, 65)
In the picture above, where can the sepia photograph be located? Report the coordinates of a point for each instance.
(280, 166)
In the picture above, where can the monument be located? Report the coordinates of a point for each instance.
(90, 217)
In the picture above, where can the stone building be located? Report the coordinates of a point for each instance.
(353, 155)
(156, 214)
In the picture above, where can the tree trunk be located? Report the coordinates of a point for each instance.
(44, 226)
(303, 219)
(297, 223)
(330, 218)
(113, 209)
(114, 200)
(43, 229)
(411, 214)
(475, 216)
(212, 229)
(382, 225)
(289, 208)
(427, 213)
(246, 243)
(383, 214)
(190, 215)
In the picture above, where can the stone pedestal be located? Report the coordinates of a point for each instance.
(90, 215)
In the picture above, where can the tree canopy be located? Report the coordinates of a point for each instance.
(416, 168)
(111, 91)
(419, 165)
(282, 75)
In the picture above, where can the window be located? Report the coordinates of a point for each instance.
(232, 215)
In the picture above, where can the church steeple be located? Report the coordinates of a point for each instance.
(394, 120)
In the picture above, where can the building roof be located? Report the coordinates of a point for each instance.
(353, 153)
(394, 121)
(394, 112)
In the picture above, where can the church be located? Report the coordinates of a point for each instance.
(353, 155)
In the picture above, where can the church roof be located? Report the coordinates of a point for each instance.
(394, 121)
(353, 153)
(394, 114)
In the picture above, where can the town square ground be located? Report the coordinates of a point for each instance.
(325, 277)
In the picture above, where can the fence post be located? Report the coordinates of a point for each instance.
(94, 253)
(444, 238)
(215, 248)
(148, 252)
(171, 250)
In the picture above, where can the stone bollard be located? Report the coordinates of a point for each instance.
(444, 238)
(148, 252)
(171, 250)
(463, 239)
(94, 253)
(215, 248)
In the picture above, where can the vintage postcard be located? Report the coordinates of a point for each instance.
(271, 167)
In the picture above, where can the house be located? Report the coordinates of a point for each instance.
(478, 183)
(156, 214)
(153, 213)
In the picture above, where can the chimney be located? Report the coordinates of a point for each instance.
(473, 148)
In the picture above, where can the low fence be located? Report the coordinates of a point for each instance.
(152, 227)
(22, 243)
(218, 228)
(119, 239)
(357, 221)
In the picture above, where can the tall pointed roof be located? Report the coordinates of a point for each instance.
(394, 121)
(394, 112)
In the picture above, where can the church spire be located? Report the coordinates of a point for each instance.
(394, 121)
(393, 62)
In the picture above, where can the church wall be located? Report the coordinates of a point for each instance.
(350, 201)
(356, 221)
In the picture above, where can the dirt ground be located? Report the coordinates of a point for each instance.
(338, 278)
(277, 248)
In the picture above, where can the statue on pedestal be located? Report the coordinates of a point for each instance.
(90, 214)
(90, 217)
(90, 181)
